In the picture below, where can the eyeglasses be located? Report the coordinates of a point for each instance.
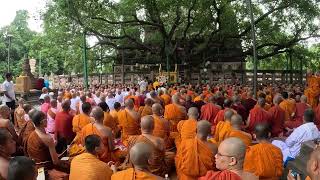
(219, 154)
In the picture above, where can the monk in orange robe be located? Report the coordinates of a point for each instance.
(114, 112)
(87, 166)
(258, 115)
(224, 127)
(80, 120)
(210, 110)
(135, 100)
(140, 156)
(278, 117)
(161, 125)
(166, 98)
(187, 129)
(174, 113)
(288, 106)
(128, 121)
(236, 131)
(264, 159)
(196, 156)
(109, 121)
(313, 90)
(298, 115)
(19, 113)
(5, 123)
(267, 106)
(220, 116)
(146, 109)
(99, 129)
(235, 148)
(161, 162)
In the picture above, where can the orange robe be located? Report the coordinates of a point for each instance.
(36, 149)
(90, 129)
(194, 158)
(159, 163)
(298, 117)
(145, 111)
(264, 160)
(110, 122)
(277, 120)
(79, 121)
(173, 113)
(18, 117)
(221, 175)
(114, 114)
(245, 137)
(222, 131)
(166, 99)
(131, 174)
(136, 101)
(162, 130)
(288, 107)
(209, 112)
(187, 129)
(128, 125)
(258, 115)
(87, 166)
(313, 90)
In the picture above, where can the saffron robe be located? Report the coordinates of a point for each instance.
(222, 131)
(209, 112)
(288, 107)
(174, 113)
(79, 121)
(131, 174)
(298, 116)
(221, 175)
(245, 137)
(128, 125)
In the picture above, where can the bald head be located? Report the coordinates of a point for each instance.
(148, 102)
(203, 128)
(98, 114)
(277, 99)
(175, 99)
(193, 113)
(211, 99)
(261, 102)
(227, 103)
(140, 154)
(303, 99)
(233, 147)
(157, 109)
(147, 124)
(129, 104)
(228, 114)
(262, 131)
(236, 121)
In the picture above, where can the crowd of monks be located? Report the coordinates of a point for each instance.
(196, 132)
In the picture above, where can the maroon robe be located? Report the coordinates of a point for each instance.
(298, 117)
(277, 120)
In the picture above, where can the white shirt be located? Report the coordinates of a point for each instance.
(119, 98)
(110, 102)
(291, 147)
(74, 102)
(143, 85)
(43, 95)
(8, 87)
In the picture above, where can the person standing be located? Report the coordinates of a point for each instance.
(9, 97)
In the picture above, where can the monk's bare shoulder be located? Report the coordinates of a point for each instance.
(106, 131)
(47, 139)
(249, 176)
(4, 123)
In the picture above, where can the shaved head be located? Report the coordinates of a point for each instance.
(262, 131)
(140, 153)
(147, 124)
(261, 102)
(175, 99)
(98, 114)
(193, 113)
(211, 99)
(129, 104)
(303, 99)
(228, 114)
(203, 128)
(236, 121)
(232, 147)
(157, 109)
(277, 99)
(148, 102)
(313, 163)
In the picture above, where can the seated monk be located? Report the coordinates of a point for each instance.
(258, 115)
(22, 168)
(109, 121)
(82, 119)
(210, 110)
(297, 120)
(220, 116)
(267, 106)
(174, 112)
(128, 121)
(5, 122)
(99, 129)
(196, 156)
(278, 117)
(161, 162)
(19, 113)
(7, 148)
(146, 110)
(223, 128)
(236, 130)
(229, 161)
(166, 98)
(288, 106)
(161, 125)
(264, 159)
(187, 129)
(140, 156)
(239, 108)
(40, 146)
(87, 166)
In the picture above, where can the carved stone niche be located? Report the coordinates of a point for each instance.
(26, 80)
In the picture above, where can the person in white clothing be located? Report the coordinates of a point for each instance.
(307, 131)
(119, 97)
(110, 101)
(9, 97)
